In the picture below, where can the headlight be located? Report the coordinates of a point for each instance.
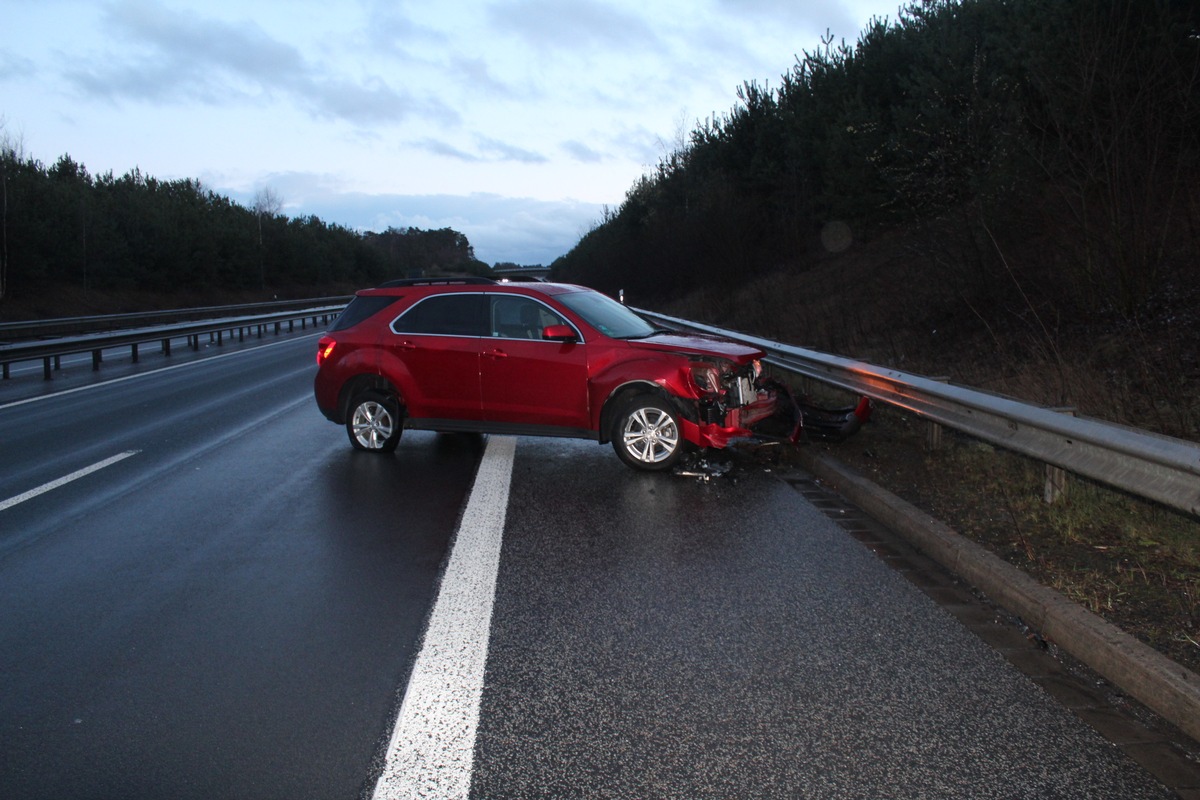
(707, 378)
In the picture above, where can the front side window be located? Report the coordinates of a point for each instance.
(445, 315)
(516, 317)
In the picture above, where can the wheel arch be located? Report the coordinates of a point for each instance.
(361, 383)
(618, 396)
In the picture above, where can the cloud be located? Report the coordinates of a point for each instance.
(439, 148)
(476, 74)
(581, 152)
(366, 102)
(13, 67)
(185, 52)
(390, 29)
(176, 57)
(507, 152)
(551, 24)
(501, 229)
(810, 16)
(487, 150)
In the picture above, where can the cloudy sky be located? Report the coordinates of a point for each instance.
(513, 121)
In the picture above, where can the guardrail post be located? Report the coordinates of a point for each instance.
(97, 359)
(5, 370)
(166, 347)
(1057, 478)
(933, 430)
(134, 353)
(46, 368)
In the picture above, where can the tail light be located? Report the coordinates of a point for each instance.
(324, 349)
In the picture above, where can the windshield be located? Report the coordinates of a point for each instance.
(607, 315)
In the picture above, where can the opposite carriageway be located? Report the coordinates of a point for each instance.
(26, 341)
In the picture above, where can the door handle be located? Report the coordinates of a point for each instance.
(496, 354)
(406, 345)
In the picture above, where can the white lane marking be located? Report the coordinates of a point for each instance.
(74, 476)
(157, 370)
(433, 744)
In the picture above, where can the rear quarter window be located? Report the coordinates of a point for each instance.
(362, 308)
(445, 315)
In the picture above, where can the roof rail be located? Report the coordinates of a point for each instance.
(470, 280)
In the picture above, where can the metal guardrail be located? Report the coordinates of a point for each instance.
(49, 351)
(72, 326)
(1157, 467)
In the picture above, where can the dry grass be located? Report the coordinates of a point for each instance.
(1133, 562)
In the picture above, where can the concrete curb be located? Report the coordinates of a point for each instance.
(1169, 688)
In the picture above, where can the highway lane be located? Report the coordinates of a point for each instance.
(227, 612)
(75, 372)
(669, 638)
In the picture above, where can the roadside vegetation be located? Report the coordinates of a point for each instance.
(1045, 151)
(111, 243)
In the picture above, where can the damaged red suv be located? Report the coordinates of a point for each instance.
(532, 359)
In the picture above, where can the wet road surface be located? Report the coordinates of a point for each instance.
(234, 610)
(674, 638)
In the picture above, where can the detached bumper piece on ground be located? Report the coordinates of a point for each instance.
(799, 419)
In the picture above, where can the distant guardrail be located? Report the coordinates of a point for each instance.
(74, 326)
(51, 350)
(1146, 464)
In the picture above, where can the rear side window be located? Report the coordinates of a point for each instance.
(445, 315)
(361, 308)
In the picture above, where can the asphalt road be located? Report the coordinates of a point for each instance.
(232, 605)
(230, 610)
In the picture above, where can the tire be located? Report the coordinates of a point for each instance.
(646, 434)
(374, 423)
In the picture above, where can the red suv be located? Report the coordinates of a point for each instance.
(532, 358)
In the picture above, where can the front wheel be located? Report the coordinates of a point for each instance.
(374, 423)
(646, 434)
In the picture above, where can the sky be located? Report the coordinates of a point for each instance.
(515, 122)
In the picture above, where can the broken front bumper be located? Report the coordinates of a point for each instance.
(778, 414)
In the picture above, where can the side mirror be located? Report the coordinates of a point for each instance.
(559, 333)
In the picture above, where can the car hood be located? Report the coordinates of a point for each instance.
(696, 344)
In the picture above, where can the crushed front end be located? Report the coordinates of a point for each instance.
(738, 401)
(730, 399)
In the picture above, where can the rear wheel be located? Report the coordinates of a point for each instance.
(374, 423)
(646, 434)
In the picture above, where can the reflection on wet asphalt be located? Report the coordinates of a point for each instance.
(671, 636)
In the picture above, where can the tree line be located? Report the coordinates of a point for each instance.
(1066, 130)
(60, 225)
